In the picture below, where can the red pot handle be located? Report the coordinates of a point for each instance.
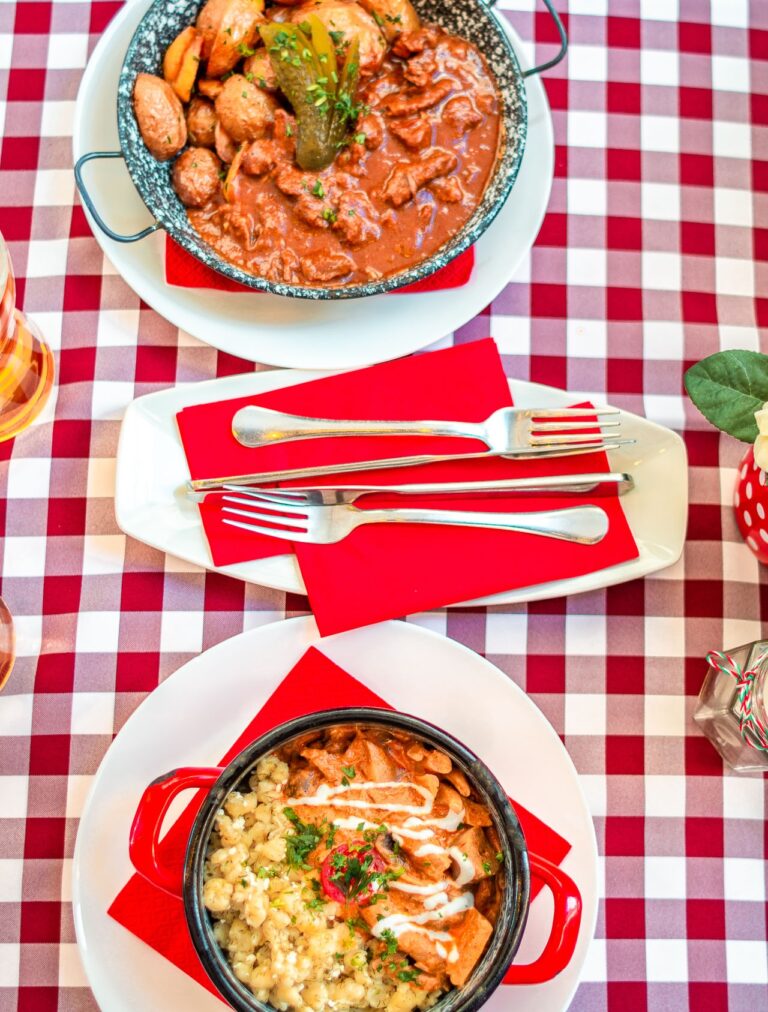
(148, 821)
(562, 940)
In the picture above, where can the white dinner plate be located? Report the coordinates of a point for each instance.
(151, 469)
(297, 332)
(219, 692)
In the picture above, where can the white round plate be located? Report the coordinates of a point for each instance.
(219, 692)
(296, 332)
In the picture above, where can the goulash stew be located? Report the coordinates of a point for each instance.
(359, 871)
(323, 144)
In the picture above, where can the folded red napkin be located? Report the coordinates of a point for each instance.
(380, 571)
(186, 271)
(315, 683)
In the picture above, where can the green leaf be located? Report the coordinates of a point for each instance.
(728, 388)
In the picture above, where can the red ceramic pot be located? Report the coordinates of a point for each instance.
(750, 503)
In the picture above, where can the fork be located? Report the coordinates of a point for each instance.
(325, 525)
(506, 430)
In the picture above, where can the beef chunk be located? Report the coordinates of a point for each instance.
(407, 178)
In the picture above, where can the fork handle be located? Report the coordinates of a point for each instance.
(583, 524)
(256, 426)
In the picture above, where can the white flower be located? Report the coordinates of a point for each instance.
(761, 443)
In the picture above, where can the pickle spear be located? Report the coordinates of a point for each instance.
(322, 97)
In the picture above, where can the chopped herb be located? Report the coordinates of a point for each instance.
(262, 82)
(228, 31)
(317, 189)
(360, 138)
(244, 94)
(266, 873)
(462, 825)
(300, 844)
(487, 868)
(337, 37)
(329, 215)
(378, 19)
(339, 957)
(347, 771)
(249, 77)
(245, 50)
(499, 856)
(332, 829)
(396, 20)
(315, 903)
(360, 826)
(388, 936)
(306, 27)
(243, 882)
(355, 922)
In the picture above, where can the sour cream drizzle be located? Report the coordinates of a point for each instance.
(436, 903)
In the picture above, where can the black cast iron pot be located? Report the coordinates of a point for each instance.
(518, 862)
(471, 19)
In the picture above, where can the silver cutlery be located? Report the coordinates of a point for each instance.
(325, 525)
(506, 430)
(267, 477)
(330, 495)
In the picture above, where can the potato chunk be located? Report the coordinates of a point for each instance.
(160, 116)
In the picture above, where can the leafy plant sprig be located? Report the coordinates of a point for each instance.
(728, 388)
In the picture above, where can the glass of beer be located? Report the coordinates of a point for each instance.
(26, 361)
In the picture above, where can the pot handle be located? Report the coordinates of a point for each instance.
(566, 922)
(148, 821)
(87, 200)
(563, 41)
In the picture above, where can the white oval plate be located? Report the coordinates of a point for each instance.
(151, 469)
(219, 692)
(296, 332)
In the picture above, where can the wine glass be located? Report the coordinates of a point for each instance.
(26, 361)
(26, 378)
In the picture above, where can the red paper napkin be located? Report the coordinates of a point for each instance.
(380, 571)
(315, 683)
(186, 271)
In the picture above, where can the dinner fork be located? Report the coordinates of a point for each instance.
(506, 430)
(325, 525)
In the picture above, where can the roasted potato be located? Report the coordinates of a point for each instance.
(346, 21)
(229, 28)
(196, 176)
(244, 110)
(392, 16)
(160, 116)
(258, 68)
(201, 122)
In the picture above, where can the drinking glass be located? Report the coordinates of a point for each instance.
(26, 378)
(26, 361)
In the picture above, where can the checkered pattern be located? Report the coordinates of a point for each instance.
(654, 253)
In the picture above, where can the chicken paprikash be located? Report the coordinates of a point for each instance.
(324, 142)
(360, 871)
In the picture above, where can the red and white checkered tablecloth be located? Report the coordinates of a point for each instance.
(654, 253)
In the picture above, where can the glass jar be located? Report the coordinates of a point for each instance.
(26, 361)
(732, 710)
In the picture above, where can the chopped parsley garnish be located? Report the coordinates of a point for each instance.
(355, 922)
(499, 856)
(243, 882)
(487, 868)
(249, 78)
(408, 975)
(339, 957)
(359, 138)
(331, 837)
(300, 844)
(317, 189)
(337, 37)
(347, 771)
(266, 873)
(245, 50)
(244, 94)
(315, 903)
(390, 939)
(378, 19)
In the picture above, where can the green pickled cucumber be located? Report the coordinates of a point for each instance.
(304, 60)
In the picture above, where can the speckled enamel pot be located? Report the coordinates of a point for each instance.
(513, 913)
(472, 19)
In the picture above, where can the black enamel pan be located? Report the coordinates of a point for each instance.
(474, 20)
